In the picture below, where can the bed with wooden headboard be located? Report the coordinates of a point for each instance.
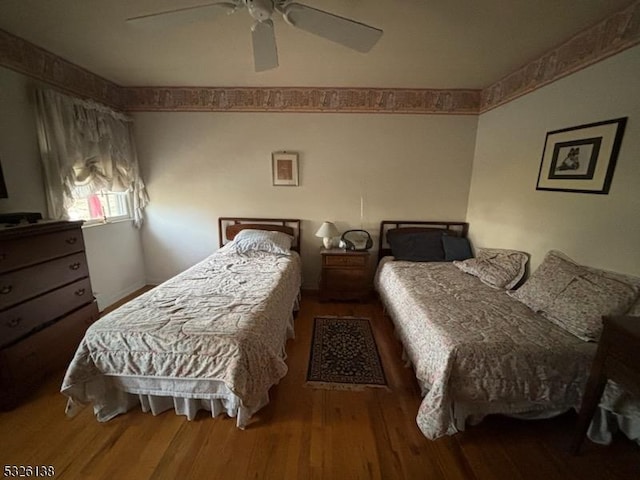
(475, 349)
(229, 227)
(212, 337)
(456, 229)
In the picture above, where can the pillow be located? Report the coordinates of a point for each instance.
(632, 280)
(497, 268)
(416, 246)
(263, 240)
(575, 297)
(456, 248)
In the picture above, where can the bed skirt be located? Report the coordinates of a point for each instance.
(113, 395)
(605, 423)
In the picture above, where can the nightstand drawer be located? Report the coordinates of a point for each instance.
(344, 275)
(346, 280)
(345, 260)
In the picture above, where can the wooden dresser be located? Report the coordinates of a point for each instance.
(46, 303)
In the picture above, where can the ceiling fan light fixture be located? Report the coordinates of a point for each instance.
(260, 10)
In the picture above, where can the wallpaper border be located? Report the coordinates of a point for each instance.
(302, 100)
(24, 57)
(608, 37)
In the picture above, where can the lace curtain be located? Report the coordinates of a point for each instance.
(86, 148)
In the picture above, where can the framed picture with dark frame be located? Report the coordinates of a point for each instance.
(284, 168)
(581, 159)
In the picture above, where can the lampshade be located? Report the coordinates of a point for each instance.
(327, 230)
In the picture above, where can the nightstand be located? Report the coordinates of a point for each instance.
(616, 359)
(344, 275)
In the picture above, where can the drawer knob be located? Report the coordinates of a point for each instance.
(79, 292)
(14, 322)
(71, 240)
(75, 266)
(6, 289)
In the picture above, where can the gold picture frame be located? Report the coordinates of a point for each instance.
(284, 169)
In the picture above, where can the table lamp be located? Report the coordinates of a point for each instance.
(327, 231)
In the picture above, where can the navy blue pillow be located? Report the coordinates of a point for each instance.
(416, 246)
(456, 248)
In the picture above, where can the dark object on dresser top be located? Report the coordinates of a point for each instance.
(20, 217)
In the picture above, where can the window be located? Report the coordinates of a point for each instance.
(101, 207)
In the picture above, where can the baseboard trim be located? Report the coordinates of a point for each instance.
(105, 301)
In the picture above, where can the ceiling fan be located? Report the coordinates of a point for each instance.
(344, 31)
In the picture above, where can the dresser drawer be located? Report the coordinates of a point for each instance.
(25, 364)
(26, 317)
(21, 252)
(344, 260)
(29, 282)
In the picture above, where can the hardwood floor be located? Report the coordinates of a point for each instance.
(305, 433)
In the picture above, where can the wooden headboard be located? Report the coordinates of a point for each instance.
(458, 229)
(228, 228)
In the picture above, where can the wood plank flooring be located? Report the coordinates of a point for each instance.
(305, 433)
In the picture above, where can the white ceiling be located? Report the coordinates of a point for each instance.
(426, 43)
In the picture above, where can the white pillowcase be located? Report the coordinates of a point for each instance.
(249, 240)
(498, 268)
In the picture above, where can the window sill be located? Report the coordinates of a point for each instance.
(92, 224)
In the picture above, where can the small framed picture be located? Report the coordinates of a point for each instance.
(581, 159)
(284, 167)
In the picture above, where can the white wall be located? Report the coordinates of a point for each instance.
(200, 166)
(114, 251)
(114, 255)
(19, 152)
(505, 210)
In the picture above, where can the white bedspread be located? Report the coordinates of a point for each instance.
(215, 331)
(476, 350)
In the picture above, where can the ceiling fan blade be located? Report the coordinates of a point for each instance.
(183, 15)
(349, 33)
(265, 51)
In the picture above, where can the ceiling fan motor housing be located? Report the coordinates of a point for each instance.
(261, 10)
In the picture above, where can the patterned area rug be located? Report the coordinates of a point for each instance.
(344, 355)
